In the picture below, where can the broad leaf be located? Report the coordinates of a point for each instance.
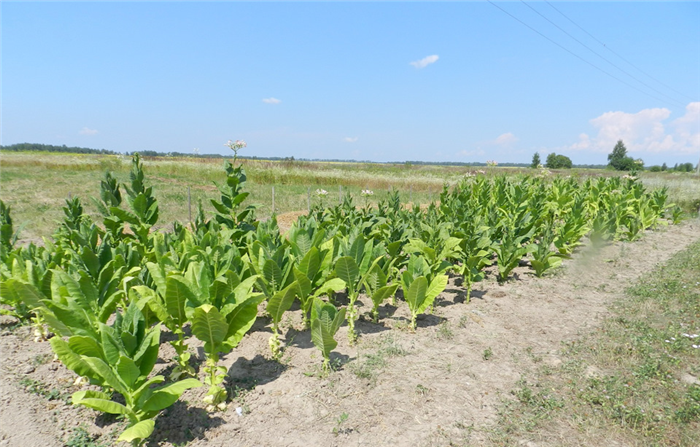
(209, 325)
(99, 401)
(346, 269)
(140, 430)
(415, 296)
(281, 302)
(177, 293)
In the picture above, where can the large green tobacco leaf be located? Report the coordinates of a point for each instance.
(272, 274)
(86, 346)
(346, 269)
(209, 326)
(415, 296)
(436, 287)
(281, 302)
(325, 321)
(128, 371)
(107, 374)
(99, 401)
(332, 285)
(305, 286)
(19, 291)
(140, 430)
(310, 263)
(167, 395)
(177, 293)
(241, 319)
(383, 293)
(73, 361)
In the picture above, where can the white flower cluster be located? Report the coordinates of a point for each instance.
(469, 174)
(236, 145)
(480, 171)
(491, 163)
(367, 192)
(631, 177)
(321, 192)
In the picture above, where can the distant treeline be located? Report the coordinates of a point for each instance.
(23, 147)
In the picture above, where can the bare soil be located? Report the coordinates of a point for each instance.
(441, 385)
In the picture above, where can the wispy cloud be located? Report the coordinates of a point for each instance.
(271, 100)
(505, 139)
(88, 131)
(425, 61)
(350, 139)
(644, 131)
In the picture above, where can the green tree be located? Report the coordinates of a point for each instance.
(555, 161)
(535, 160)
(619, 160)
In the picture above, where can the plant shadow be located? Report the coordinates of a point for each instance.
(180, 424)
(259, 370)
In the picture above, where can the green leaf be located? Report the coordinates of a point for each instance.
(107, 374)
(124, 216)
(128, 371)
(99, 402)
(167, 395)
(415, 296)
(346, 269)
(147, 354)
(303, 282)
(91, 262)
(110, 344)
(383, 293)
(332, 285)
(325, 321)
(86, 346)
(158, 276)
(241, 319)
(272, 274)
(140, 430)
(281, 302)
(73, 361)
(177, 293)
(436, 287)
(209, 325)
(311, 263)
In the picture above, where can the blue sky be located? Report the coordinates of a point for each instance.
(459, 81)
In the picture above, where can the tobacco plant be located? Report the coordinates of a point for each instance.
(325, 322)
(376, 286)
(543, 258)
(121, 357)
(418, 292)
(221, 329)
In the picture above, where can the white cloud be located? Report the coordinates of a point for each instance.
(644, 131)
(88, 131)
(425, 61)
(505, 139)
(271, 100)
(350, 139)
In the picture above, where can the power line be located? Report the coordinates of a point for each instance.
(604, 58)
(577, 56)
(617, 54)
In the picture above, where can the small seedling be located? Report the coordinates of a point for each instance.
(341, 419)
(488, 353)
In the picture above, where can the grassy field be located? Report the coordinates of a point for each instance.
(634, 379)
(36, 184)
